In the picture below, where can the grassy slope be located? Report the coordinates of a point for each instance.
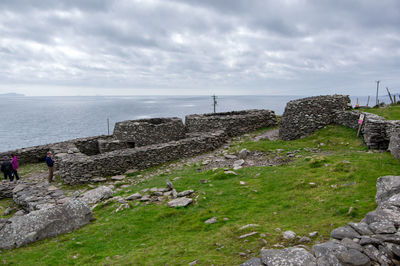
(391, 112)
(273, 197)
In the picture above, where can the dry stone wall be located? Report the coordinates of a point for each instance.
(234, 123)
(304, 116)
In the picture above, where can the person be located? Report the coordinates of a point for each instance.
(14, 163)
(50, 164)
(6, 168)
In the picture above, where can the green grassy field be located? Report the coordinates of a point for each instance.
(391, 112)
(314, 192)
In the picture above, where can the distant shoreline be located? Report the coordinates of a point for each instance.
(12, 94)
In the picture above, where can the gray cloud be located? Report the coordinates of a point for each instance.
(285, 47)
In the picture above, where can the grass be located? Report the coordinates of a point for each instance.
(314, 192)
(391, 112)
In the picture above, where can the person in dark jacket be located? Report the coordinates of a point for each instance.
(6, 168)
(50, 165)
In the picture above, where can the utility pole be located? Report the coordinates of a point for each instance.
(377, 90)
(214, 101)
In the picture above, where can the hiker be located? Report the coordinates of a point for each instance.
(14, 163)
(6, 168)
(50, 165)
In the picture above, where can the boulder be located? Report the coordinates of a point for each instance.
(384, 227)
(288, 235)
(252, 262)
(354, 257)
(386, 187)
(343, 232)
(37, 225)
(288, 256)
(180, 202)
(95, 195)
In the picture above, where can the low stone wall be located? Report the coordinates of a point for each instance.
(373, 241)
(149, 131)
(234, 123)
(80, 168)
(304, 116)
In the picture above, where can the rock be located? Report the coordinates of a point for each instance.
(354, 257)
(313, 234)
(288, 256)
(185, 193)
(180, 202)
(366, 240)
(238, 162)
(41, 224)
(326, 253)
(247, 226)
(348, 243)
(193, 263)
(288, 235)
(170, 186)
(237, 167)
(118, 177)
(174, 193)
(383, 214)
(304, 239)
(386, 187)
(252, 262)
(242, 183)
(96, 195)
(384, 227)
(247, 235)
(145, 198)
(243, 154)
(212, 220)
(343, 232)
(230, 172)
(361, 228)
(230, 156)
(19, 213)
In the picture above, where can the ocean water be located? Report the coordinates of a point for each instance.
(30, 121)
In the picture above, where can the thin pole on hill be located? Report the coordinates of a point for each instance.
(214, 101)
(390, 95)
(377, 90)
(368, 101)
(108, 126)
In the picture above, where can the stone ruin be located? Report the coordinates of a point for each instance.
(140, 144)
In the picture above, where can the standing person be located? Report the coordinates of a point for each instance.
(6, 168)
(14, 163)
(50, 165)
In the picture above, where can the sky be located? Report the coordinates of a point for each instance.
(177, 47)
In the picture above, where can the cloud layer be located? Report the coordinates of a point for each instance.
(191, 47)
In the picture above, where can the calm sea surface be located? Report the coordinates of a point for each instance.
(30, 121)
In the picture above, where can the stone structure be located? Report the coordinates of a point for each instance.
(149, 131)
(234, 123)
(304, 116)
(373, 241)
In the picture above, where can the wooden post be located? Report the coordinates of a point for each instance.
(368, 101)
(108, 126)
(377, 90)
(394, 99)
(390, 95)
(214, 102)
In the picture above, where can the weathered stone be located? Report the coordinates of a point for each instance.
(344, 232)
(354, 257)
(383, 214)
(180, 202)
(386, 187)
(243, 154)
(288, 235)
(350, 244)
(170, 186)
(367, 240)
(118, 177)
(41, 224)
(384, 227)
(288, 256)
(304, 239)
(145, 198)
(137, 195)
(212, 220)
(361, 228)
(95, 195)
(185, 193)
(248, 226)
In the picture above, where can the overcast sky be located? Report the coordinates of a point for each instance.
(124, 47)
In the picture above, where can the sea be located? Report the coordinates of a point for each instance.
(30, 121)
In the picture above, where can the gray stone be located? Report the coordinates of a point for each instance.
(343, 232)
(95, 195)
(8, 211)
(354, 257)
(348, 243)
(247, 235)
(361, 228)
(366, 240)
(386, 187)
(304, 239)
(180, 202)
(288, 256)
(212, 220)
(170, 186)
(243, 154)
(118, 177)
(384, 227)
(383, 214)
(288, 235)
(185, 193)
(313, 234)
(252, 262)
(145, 198)
(238, 162)
(41, 224)
(326, 253)
(230, 156)
(137, 195)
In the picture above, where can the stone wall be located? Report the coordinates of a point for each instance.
(234, 123)
(80, 168)
(304, 116)
(149, 131)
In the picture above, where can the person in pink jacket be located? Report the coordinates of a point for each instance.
(14, 163)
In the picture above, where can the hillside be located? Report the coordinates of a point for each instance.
(313, 184)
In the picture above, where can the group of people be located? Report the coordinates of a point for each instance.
(9, 167)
